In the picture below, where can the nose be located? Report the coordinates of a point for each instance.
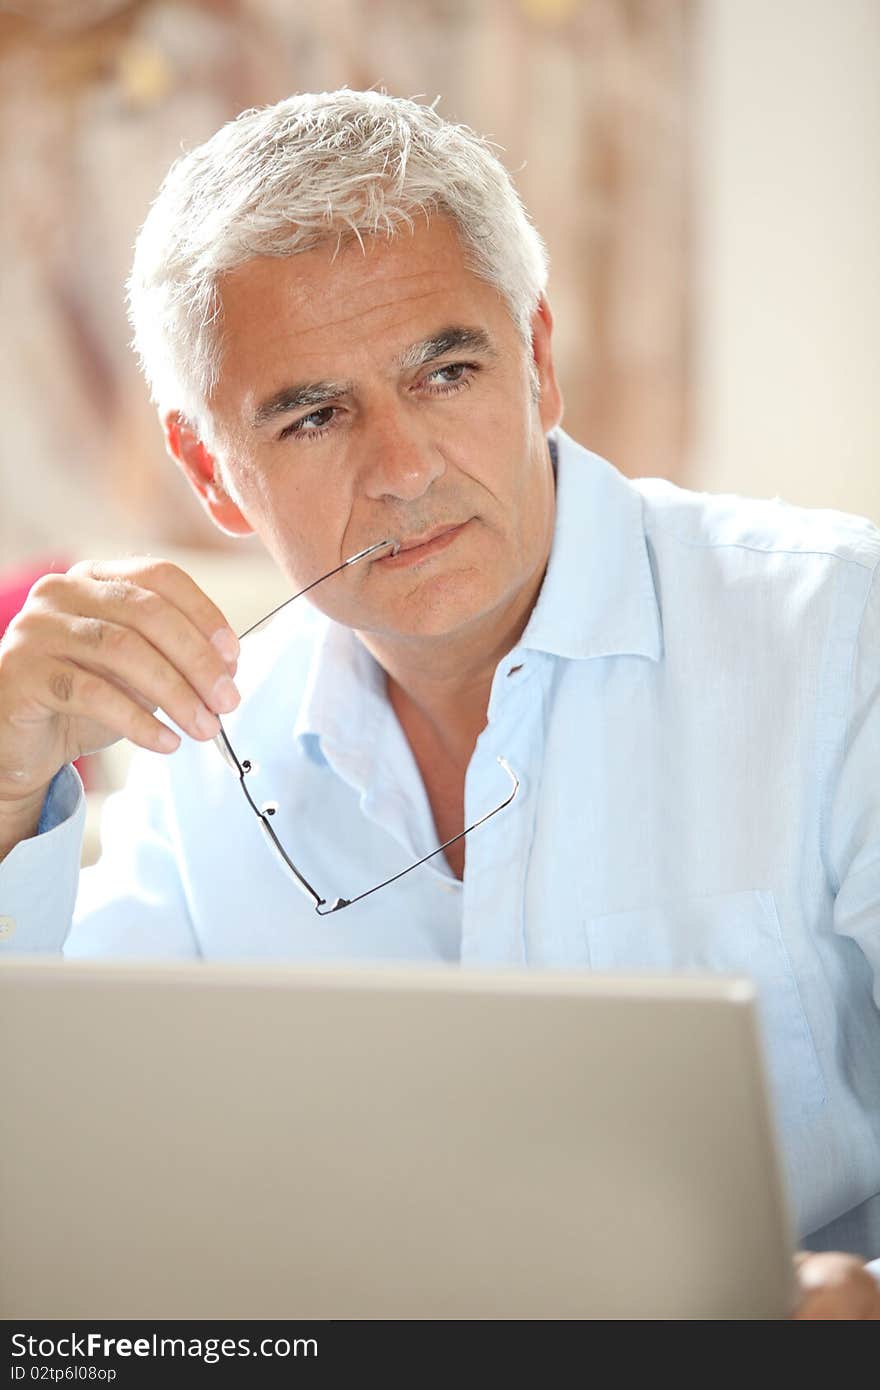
(399, 462)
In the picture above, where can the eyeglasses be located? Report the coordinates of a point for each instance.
(264, 813)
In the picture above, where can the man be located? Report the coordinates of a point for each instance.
(339, 305)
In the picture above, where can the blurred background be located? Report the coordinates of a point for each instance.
(705, 173)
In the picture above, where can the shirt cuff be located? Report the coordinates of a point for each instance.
(61, 799)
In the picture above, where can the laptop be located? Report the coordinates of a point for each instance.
(215, 1141)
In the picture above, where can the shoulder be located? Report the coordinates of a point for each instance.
(678, 519)
(796, 585)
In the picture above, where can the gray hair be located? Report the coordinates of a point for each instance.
(286, 178)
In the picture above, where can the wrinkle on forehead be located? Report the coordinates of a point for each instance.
(362, 324)
(290, 318)
(382, 263)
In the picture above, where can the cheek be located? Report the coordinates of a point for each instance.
(302, 521)
(487, 446)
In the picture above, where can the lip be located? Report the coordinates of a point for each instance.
(420, 548)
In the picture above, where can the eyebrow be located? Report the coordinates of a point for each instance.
(314, 394)
(447, 340)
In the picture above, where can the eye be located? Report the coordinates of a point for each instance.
(451, 377)
(310, 426)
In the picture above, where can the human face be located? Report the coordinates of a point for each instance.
(382, 393)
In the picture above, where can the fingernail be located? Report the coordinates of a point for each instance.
(224, 696)
(226, 643)
(207, 723)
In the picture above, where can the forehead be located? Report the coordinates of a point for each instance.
(319, 310)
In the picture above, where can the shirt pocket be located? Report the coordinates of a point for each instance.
(726, 933)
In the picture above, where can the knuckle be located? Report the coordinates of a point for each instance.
(19, 629)
(195, 714)
(119, 591)
(139, 721)
(210, 664)
(170, 682)
(12, 648)
(159, 571)
(92, 631)
(83, 569)
(44, 589)
(116, 639)
(150, 604)
(185, 649)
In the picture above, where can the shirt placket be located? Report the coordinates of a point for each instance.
(497, 855)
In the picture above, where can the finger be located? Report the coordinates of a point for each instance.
(126, 659)
(96, 622)
(175, 586)
(838, 1305)
(77, 694)
(836, 1286)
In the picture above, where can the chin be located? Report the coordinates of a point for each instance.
(438, 609)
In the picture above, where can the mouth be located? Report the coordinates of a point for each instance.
(415, 549)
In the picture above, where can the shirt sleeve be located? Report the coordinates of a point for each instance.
(131, 903)
(38, 878)
(854, 837)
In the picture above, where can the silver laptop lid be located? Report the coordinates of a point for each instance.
(231, 1141)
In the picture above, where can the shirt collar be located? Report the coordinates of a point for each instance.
(343, 678)
(598, 597)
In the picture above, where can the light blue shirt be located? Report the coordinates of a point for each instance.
(693, 712)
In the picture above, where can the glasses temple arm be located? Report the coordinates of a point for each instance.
(352, 559)
(324, 911)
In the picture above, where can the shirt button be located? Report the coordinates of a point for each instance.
(513, 670)
(7, 928)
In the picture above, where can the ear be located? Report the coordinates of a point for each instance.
(187, 450)
(550, 403)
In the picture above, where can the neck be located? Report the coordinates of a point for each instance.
(443, 686)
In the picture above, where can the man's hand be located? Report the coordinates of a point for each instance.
(89, 658)
(835, 1286)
